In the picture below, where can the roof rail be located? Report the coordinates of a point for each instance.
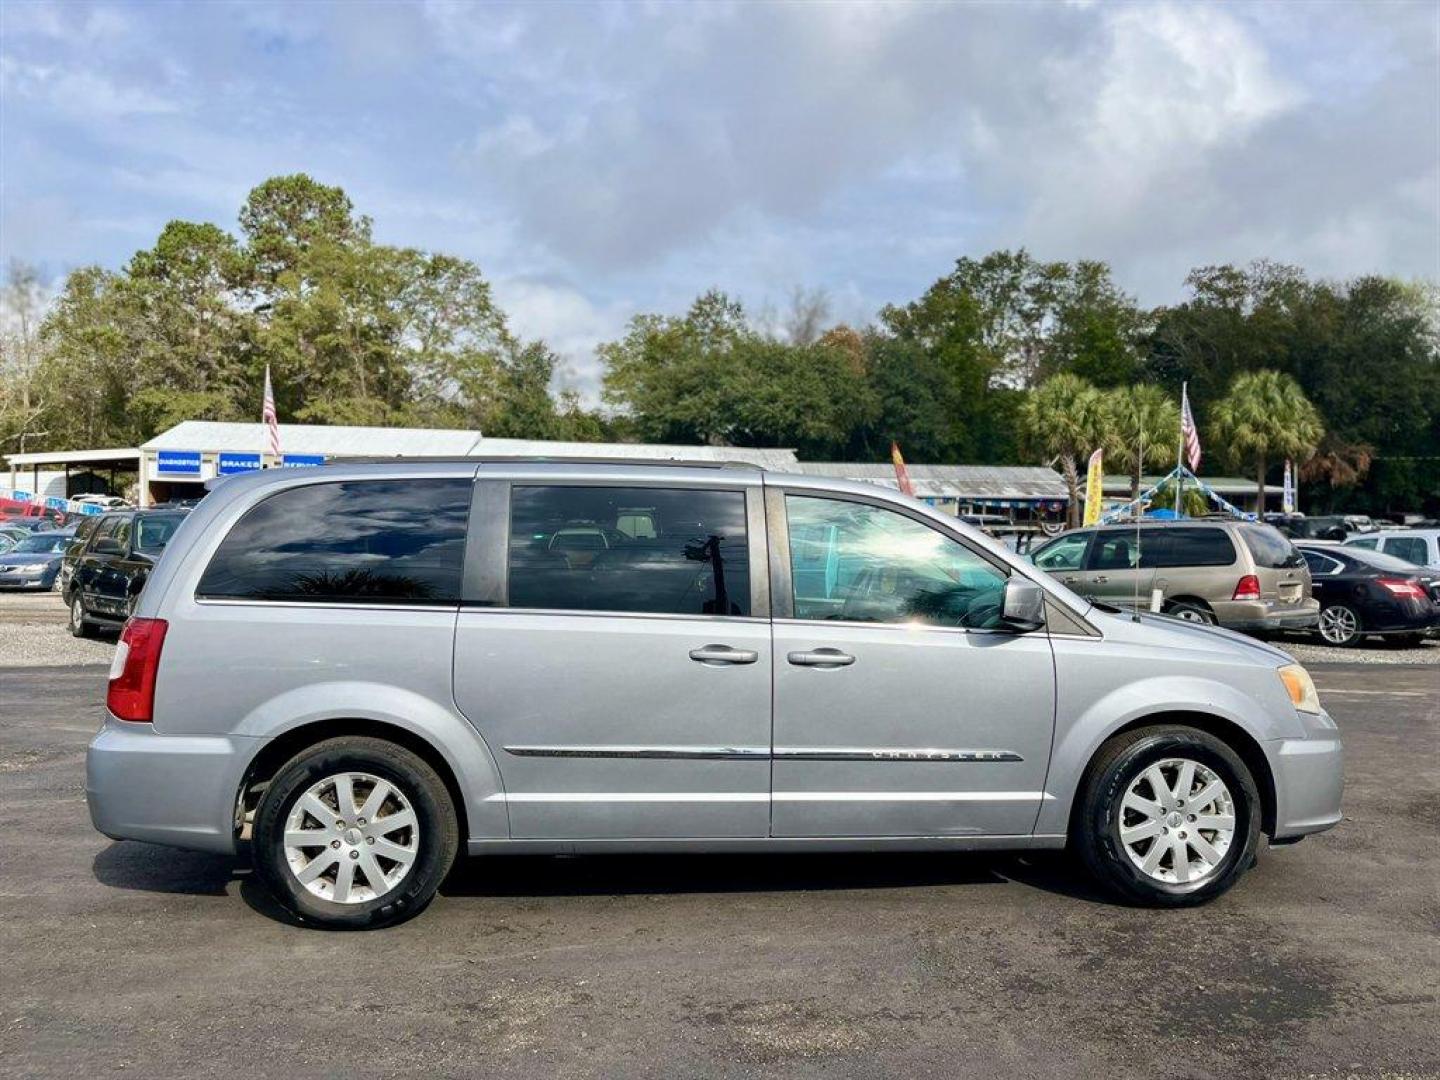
(542, 459)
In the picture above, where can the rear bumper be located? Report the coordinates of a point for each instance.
(1309, 780)
(178, 790)
(1267, 615)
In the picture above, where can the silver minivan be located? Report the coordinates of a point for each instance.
(355, 672)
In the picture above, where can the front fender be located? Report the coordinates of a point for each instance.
(455, 740)
(1079, 736)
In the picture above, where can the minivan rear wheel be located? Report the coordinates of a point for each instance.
(355, 833)
(1191, 612)
(1168, 817)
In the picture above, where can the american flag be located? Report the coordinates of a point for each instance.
(1188, 435)
(272, 422)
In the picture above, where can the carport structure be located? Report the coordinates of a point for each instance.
(59, 473)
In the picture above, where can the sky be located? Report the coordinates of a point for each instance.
(599, 160)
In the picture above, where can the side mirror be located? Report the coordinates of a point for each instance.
(1023, 607)
(108, 546)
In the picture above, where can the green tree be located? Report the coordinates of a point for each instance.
(1264, 418)
(1065, 417)
(1144, 427)
(22, 402)
(710, 377)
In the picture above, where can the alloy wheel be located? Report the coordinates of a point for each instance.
(351, 838)
(1339, 625)
(77, 612)
(1177, 821)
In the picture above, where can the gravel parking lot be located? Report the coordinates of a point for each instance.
(128, 959)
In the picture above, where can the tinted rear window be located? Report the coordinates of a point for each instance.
(363, 542)
(579, 549)
(1189, 547)
(1269, 547)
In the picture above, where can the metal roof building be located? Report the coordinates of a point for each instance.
(975, 485)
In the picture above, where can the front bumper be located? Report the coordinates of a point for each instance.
(1309, 780)
(38, 580)
(178, 790)
(1267, 614)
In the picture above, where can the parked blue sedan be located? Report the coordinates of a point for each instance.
(34, 562)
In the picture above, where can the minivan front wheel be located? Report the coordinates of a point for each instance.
(355, 833)
(1168, 817)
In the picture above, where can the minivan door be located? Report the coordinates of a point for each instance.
(614, 651)
(901, 708)
(1116, 571)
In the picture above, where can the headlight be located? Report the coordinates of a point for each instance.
(1300, 687)
(32, 568)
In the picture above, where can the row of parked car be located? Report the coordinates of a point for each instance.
(98, 564)
(1251, 577)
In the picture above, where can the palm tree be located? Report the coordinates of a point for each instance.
(1144, 427)
(1065, 417)
(1265, 417)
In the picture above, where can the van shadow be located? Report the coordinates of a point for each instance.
(149, 868)
(131, 864)
(677, 874)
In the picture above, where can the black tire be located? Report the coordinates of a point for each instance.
(1338, 613)
(1095, 825)
(438, 840)
(80, 625)
(1192, 611)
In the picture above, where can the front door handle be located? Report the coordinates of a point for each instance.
(1100, 579)
(723, 654)
(824, 658)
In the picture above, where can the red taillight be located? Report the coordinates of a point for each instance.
(1401, 587)
(132, 674)
(1247, 588)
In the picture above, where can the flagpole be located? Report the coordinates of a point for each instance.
(1180, 453)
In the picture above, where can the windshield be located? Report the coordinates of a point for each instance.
(44, 543)
(1269, 547)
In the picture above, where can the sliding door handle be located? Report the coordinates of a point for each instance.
(824, 658)
(723, 654)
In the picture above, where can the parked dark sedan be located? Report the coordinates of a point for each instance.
(34, 563)
(1367, 592)
(114, 565)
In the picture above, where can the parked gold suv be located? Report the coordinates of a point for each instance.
(1237, 574)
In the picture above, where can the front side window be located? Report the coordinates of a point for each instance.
(666, 551)
(859, 563)
(1065, 553)
(361, 541)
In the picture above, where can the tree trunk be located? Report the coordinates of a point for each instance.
(1260, 485)
(1072, 481)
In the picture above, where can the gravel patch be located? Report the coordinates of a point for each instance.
(33, 634)
(1371, 651)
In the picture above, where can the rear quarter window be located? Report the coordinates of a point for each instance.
(1195, 547)
(1269, 547)
(364, 542)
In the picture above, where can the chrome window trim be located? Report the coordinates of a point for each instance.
(592, 614)
(450, 606)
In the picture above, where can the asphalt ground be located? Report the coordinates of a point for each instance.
(124, 959)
